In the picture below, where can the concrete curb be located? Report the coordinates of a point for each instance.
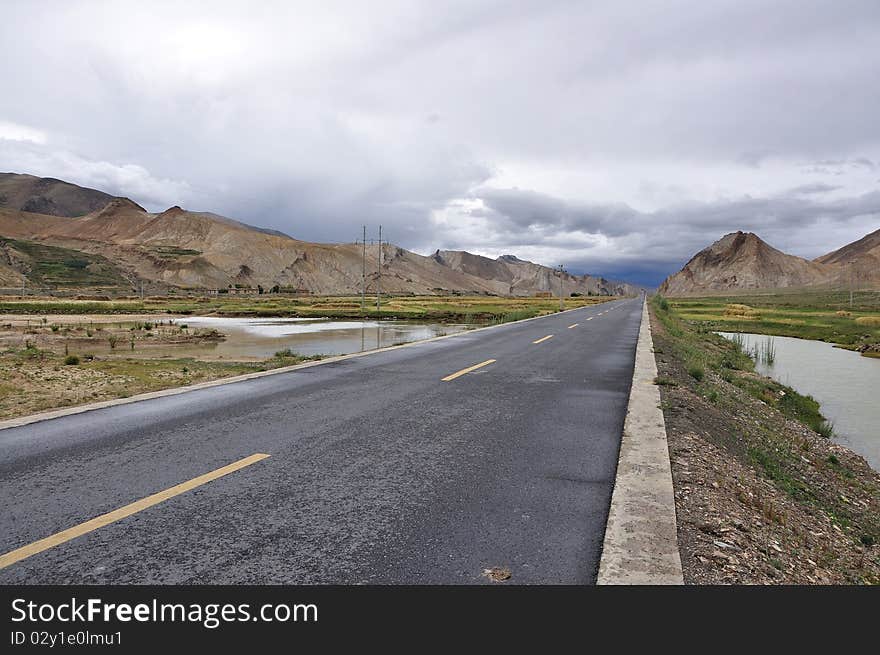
(641, 538)
(79, 409)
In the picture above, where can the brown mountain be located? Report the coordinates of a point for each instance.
(179, 248)
(46, 195)
(858, 262)
(524, 278)
(742, 261)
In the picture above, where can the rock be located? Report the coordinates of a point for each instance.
(497, 573)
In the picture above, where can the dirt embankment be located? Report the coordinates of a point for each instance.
(760, 497)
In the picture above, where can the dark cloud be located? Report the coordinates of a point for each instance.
(648, 245)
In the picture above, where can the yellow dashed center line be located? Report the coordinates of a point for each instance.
(549, 336)
(467, 370)
(572, 326)
(59, 538)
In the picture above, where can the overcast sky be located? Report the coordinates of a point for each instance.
(613, 137)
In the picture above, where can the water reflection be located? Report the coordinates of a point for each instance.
(259, 338)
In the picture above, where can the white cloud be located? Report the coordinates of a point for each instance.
(14, 132)
(130, 180)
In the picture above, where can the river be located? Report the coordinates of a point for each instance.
(846, 385)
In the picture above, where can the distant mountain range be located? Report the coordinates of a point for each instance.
(741, 261)
(59, 234)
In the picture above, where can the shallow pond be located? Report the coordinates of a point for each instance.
(846, 385)
(259, 338)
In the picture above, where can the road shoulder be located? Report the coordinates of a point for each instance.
(641, 544)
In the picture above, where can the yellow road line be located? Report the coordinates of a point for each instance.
(59, 538)
(467, 370)
(572, 326)
(549, 336)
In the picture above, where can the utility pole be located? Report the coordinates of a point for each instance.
(561, 270)
(364, 274)
(379, 276)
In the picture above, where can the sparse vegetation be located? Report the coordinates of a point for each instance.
(287, 354)
(55, 267)
(696, 371)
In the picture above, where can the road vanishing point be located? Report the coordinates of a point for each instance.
(425, 464)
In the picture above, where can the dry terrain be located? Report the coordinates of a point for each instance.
(741, 262)
(71, 360)
(762, 497)
(83, 233)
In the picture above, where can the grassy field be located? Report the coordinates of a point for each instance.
(702, 351)
(444, 309)
(824, 316)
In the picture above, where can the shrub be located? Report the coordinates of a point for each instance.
(696, 371)
(872, 321)
(825, 429)
(71, 360)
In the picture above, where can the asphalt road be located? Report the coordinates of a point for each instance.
(378, 470)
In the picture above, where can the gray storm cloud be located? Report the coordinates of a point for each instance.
(615, 137)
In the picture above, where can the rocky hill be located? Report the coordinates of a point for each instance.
(184, 249)
(741, 261)
(859, 262)
(46, 195)
(524, 278)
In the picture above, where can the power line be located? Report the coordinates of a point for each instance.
(561, 270)
(364, 274)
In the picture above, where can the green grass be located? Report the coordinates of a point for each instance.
(51, 266)
(822, 316)
(172, 252)
(696, 371)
